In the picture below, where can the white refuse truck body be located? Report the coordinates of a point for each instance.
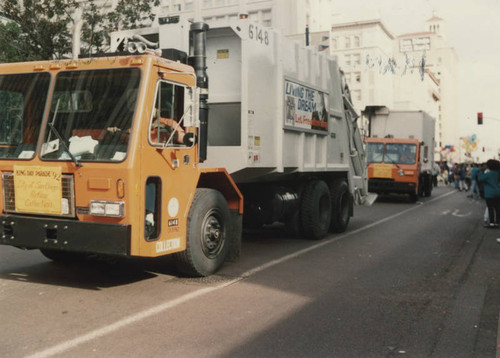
(262, 130)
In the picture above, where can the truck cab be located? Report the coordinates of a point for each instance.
(88, 166)
(394, 166)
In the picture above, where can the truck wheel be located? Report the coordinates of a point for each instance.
(341, 201)
(206, 235)
(315, 210)
(413, 197)
(293, 225)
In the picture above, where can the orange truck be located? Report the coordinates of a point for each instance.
(114, 155)
(400, 153)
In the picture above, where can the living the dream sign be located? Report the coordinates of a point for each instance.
(306, 108)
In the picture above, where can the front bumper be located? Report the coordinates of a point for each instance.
(386, 186)
(67, 235)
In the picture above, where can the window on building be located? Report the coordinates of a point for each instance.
(207, 3)
(348, 77)
(357, 41)
(347, 42)
(356, 59)
(347, 60)
(334, 44)
(357, 77)
(357, 95)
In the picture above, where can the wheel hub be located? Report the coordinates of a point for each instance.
(212, 237)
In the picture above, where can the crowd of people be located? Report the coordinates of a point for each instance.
(478, 181)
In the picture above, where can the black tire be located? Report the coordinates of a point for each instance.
(293, 225)
(207, 241)
(413, 197)
(62, 256)
(341, 204)
(315, 210)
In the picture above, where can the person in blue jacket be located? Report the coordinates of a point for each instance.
(474, 187)
(490, 179)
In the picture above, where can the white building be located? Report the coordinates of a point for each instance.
(365, 53)
(441, 63)
(408, 72)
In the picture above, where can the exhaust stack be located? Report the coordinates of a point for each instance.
(77, 28)
(197, 59)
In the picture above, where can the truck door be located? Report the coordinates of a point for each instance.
(168, 169)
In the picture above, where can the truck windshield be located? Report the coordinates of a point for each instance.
(91, 114)
(374, 152)
(400, 153)
(22, 102)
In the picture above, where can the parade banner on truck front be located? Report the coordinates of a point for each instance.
(38, 189)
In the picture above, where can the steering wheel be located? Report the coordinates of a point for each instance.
(162, 131)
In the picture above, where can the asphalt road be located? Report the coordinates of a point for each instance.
(415, 280)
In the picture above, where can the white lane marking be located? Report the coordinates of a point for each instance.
(456, 213)
(97, 333)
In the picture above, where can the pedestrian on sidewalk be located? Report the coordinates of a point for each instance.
(490, 177)
(456, 175)
(461, 178)
(474, 186)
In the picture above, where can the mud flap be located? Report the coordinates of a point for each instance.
(235, 235)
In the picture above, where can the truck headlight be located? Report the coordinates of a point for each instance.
(107, 208)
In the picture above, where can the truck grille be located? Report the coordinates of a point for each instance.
(9, 199)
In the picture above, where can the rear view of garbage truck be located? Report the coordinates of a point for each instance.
(174, 142)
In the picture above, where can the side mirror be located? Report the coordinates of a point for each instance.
(189, 139)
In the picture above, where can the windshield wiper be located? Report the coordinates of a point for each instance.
(61, 140)
(391, 161)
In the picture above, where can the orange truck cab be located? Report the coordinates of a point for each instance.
(87, 167)
(394, 166)
(400, 151)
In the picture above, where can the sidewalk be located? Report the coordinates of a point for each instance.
(489, 257)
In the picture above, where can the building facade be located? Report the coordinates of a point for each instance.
(430, 50)
(407, 72)
(364, 51)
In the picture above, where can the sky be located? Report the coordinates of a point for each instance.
(473, 30)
